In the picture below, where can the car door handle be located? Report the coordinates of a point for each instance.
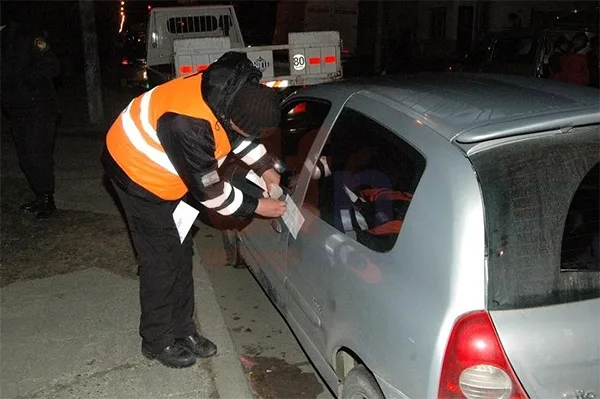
(276, 225)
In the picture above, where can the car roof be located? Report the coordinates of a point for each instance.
(471, 108)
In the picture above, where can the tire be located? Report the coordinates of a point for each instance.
(360, 384)
(230, 244)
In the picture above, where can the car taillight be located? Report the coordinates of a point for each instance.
(298, 109)
(475, 365)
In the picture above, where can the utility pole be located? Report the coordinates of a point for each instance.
(93, 82)
(378, 37)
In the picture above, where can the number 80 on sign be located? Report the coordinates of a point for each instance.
(299, 62)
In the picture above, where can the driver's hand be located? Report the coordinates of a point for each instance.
(270, 207)
(271, 177)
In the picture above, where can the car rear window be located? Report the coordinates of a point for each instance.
(195, 24)
(541, 198)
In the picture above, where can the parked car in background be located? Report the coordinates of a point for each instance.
(448, 244)
(133, 57)
(523, 52)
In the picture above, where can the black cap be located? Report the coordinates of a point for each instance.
(255, 109)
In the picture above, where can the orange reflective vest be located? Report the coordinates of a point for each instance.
(134, 145)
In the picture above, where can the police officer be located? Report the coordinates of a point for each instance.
(168, 143)
(30, 103)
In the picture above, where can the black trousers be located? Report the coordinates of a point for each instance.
(165, 268)
(34, 133)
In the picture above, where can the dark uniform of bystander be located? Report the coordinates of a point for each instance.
(30, 103)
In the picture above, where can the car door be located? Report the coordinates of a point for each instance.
(336, 264)
(264, 241)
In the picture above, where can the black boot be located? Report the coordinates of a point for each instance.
(33, 206)
(173, 356)
(46, 207)
(198, 345)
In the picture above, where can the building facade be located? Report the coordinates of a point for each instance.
(453, 26)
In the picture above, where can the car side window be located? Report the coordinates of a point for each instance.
(300, 124)
(514, 50)
(364, 181)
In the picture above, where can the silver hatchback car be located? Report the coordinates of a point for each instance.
(441, 239)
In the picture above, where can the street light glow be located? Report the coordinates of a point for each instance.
(122, 14)
(122, 23)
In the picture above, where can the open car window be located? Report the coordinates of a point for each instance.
(364, 180)
(300, 123)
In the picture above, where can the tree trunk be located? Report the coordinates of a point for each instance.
(379, 19)
(93, 82)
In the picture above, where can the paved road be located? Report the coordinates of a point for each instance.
(73, 333)
(272, 359)
(276, 365)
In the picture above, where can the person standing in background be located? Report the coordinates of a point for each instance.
(575, 64)
(30, 103)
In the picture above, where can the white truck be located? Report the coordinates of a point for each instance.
(185, 40)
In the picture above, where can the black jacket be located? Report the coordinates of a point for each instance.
(28, 66)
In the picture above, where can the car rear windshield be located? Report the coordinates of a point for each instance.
(541, 198)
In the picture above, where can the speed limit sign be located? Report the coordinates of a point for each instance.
(299, 62)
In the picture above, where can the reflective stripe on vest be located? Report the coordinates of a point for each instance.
(134, 144)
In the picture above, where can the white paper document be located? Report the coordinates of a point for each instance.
(184, 217)
(256, 179)
(276, 191)
(292, 217)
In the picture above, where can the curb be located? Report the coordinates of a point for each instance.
(230, 380)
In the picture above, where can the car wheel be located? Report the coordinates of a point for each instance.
(360, 384)
(230, 244)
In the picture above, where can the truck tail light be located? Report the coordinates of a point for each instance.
(475, 365)
(185, 69)
(329, 59)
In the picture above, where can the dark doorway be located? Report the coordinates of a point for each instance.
(464, 34)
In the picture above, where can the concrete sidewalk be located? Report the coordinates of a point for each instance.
(75, 335)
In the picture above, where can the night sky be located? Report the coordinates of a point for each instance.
(60, 19)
